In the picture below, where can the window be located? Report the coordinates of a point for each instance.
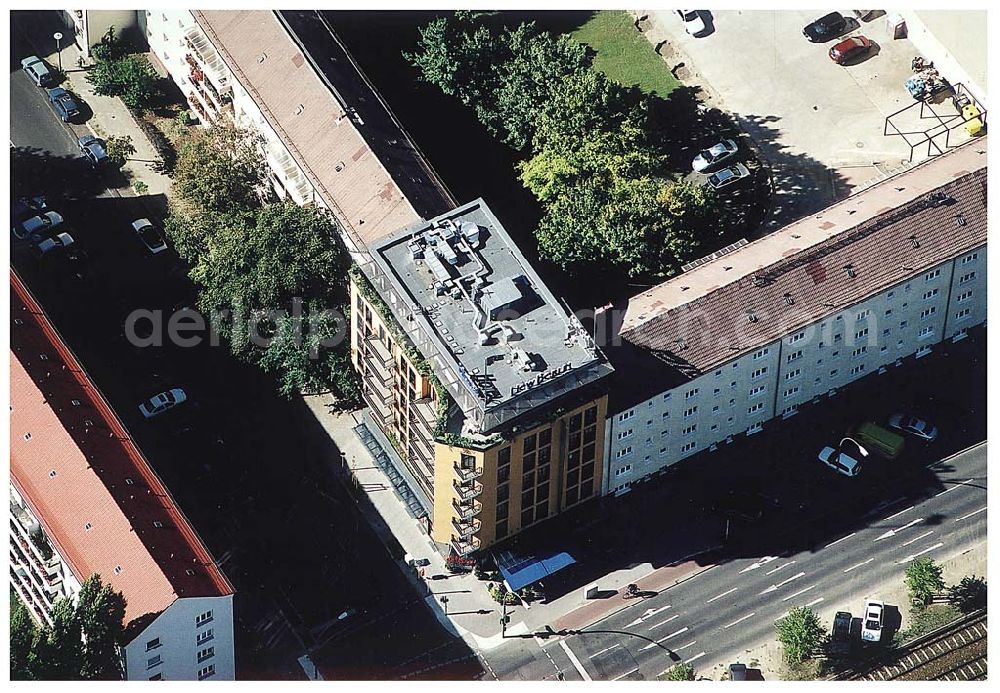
(760, 354)
(925, 332)
(688, 413)
(688, 447)
(890, 294)
(689, 430)
(755, 408)
(207, 653)
(790, 375)
(969, 258)
(857, 369)
(666, 415)
(798, 337)
(927, 312)
(759, 390)
(886, 331)
(626, 415)
(794, 355)
(152, 644)
(624, 434)
(718, 373)
(933, 274)
(837, 338)
(928, 295)
(624, 470)
(154, 661)
(156, 677)
(202, 619)
(888, 311)
(791, 391)
(624, 451)
(965, 278)
(205, 636)
(903, 324)
(963, 314)
(963, 297)
(206, 672)
(757, 373)
(861, 334)
(690, 393)
(666, 396)
(863, 314)
(859, 351)
(834, 372)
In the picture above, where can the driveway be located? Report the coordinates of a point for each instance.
(817, 124)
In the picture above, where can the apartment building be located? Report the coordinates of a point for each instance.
(88, 27)
(487, 389)
(84, 500)
(757, 333)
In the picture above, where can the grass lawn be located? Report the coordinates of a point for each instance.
(623, 54)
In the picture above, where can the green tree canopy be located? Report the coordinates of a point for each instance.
(680, 672)
(22, 639)
(130, 77)
(923, 579)
(969, 594)
(100, 612)
(800, 633)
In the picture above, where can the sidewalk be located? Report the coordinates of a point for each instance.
(472, 614)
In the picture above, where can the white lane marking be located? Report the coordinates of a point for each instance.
(647, 613)
(893, 532)
(773, 588)
(816, 601)
(621, 676)
(925, 534)
(666, 637)
(899, 513)
(606, 649)
(775, 570)
(974, 512)
(700, 654)
(720, 596)
(763, 561)
(858, 565)
(792, 596)
(750, 615)
(576, 662)
(920, 553)
(839, 540)
(684, 647)
(661, 623)
(952, 488)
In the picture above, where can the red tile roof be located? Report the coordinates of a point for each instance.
(99, 501)
(799, 274)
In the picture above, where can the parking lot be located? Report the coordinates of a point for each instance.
(819, 125)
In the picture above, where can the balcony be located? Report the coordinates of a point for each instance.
(467, 492)
(466, 528)
(467, 473)
(466, 511)
(466, 546)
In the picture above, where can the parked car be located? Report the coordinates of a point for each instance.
(37, 225)
(871, 624)
(840, 462)
(914, 426)
(23, 208)
(825, 28)
(738, 672)
(150, 235)
(850, 48)
(840, 636)
(38, 72)
(710, 158)
(694, 23)
(93, 149)
(728, 176)
(47, 243)
(64, 103)
(157, 404)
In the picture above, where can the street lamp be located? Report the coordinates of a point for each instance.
(861, 448)
(58, 37)
(444, 600)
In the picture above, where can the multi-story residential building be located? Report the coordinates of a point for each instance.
(84, 500)
(767, 328)
(486, 388)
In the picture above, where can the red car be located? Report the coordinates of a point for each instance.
(850, 48)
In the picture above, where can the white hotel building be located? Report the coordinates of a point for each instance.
(723, 348)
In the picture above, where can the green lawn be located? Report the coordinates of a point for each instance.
(623, 54)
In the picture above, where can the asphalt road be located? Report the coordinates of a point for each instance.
(251, 470)
(714, 618)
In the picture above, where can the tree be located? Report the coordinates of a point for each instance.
(801, 634)
(969, 594)
(100, 612)
(923, 580)
(22, 638)
(120, 148)
(110, 47)
(59, 647)
(130, 77)
(680, 672)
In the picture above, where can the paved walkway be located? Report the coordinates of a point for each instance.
(472, 614)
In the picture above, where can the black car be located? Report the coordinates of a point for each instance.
(93, 149)
(64, 104)
(825, 28)
(840, 637)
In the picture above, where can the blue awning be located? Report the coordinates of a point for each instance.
(520, 571)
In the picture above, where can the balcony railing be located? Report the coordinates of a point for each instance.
(463, 547)
(466, 511)
(467, 473)
(466, 528)
(467, 491)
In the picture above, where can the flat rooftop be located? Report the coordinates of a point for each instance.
(496, 325)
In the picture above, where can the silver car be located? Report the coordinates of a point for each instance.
(728, 176)
(157, 404)
(38, 72)
(840, 462)
(150, 235)
(913, 426)
(713, 156)
(39, 224)
(46, 244)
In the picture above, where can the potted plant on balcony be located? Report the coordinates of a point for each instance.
(459, 564)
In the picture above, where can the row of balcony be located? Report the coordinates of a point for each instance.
(41, 613)
(464, 547)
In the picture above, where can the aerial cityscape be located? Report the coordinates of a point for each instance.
(516, 345)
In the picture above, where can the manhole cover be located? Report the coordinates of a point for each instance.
(859, 145)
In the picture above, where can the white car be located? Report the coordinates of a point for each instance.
(714, 155)
(37, 224)
(162, 402)
(46, 244)
(840, 462)
(150, 235)
(913, 426)
(694, 24)
(871, 622)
